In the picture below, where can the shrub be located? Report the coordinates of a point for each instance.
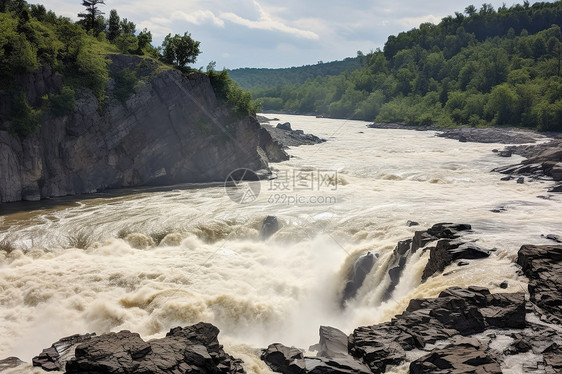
(26, 120)
(62, 104)
(125, 81)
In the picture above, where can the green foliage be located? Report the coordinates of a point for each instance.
(63, 103)
(92, 19)
(180, 50)
(113, 25)
(126, 43)
(237, 99)
(481, 68)
(125, 81)
(26, 120)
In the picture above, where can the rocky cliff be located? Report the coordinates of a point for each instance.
(172, 129)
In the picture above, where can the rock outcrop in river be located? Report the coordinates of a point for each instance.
(192, 349)
(173, 129)
(463, 330)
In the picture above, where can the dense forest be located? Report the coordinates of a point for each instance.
(481, 67)
(32, 37)
(255, 79)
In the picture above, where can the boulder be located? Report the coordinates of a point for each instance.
(465, 356)
(269, 226)
(446, 251)
(333, 343)
(10, 363)
(56, 356)
(190, 349)
(285, 360)
(284, 126)
(505, 153)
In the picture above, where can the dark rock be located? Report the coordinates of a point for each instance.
(490, 135)
(55, 357)
(557, 188)
(284, 126)
(468, 356)
(289, 138)
(505, 153)
(333, 342)
(412, 223)
(521, 180)
(555, 238)
(283, 359)
(356, 276)
(463, 139)
(340, 365)
(508, 178)
(495, 150)
(447, 251)
(504, 285)
(463, 263)
(553, 357)
(543, 266)
(455, 311)
(10, 363)
(190, 349)
(272, 149)
(269, 226)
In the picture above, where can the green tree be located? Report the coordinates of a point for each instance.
(91, 16)
(180, 50)
(113, 27)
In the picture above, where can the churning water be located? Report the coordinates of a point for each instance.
(152, 259)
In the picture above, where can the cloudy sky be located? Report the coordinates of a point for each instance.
(269, 33)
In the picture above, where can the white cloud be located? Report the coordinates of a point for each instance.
(266, 22)
(198, 17)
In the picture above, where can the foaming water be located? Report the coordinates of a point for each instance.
(152, 259)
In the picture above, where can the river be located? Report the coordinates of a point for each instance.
(335, 200)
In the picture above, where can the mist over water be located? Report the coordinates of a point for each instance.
(210, 264)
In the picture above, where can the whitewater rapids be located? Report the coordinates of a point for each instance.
(155, 258)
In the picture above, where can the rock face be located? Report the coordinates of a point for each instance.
(173, 129)
(193, 349)
(356, 276)
(543, 266)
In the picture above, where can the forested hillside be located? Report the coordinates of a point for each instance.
(481, 67)
(255, 79)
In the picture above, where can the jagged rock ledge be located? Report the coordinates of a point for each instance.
(463, 330)
(470, 134)
(286, 136)
(543, 163)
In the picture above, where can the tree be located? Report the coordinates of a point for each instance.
(180, 50)
(90, 18)
(128, 27)
(113, 28)
(470, 10)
